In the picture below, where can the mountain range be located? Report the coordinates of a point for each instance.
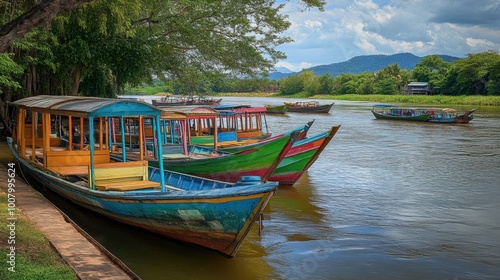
(360, 64)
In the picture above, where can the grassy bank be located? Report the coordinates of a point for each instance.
(420, 99)
(35, 258)
(407, 99)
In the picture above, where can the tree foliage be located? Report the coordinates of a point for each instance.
(97, 47)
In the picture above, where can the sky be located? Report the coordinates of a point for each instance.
(365, 27)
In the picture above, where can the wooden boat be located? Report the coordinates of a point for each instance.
(277, 109)
(309, 107)
(392, 112)
(262, 160)
(449, 115)
(299, 158)
(212, 214)
(173, 100)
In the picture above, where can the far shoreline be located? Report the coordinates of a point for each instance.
(424, 100)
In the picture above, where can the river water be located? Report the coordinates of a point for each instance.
(385, 200)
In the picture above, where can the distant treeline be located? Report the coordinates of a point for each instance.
(477, 74)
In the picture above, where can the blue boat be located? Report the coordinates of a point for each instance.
(65, 143)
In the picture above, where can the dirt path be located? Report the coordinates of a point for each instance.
(79, 250)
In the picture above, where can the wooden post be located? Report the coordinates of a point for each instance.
(34, 124)
(142, 139)
(70, 133)
(46, 134)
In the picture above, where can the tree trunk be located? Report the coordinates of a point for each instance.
(76, 81)
(39, 15)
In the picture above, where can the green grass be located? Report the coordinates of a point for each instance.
(471, 100)
(35, 258)
(466, 100)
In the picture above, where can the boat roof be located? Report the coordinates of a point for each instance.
(229, 107)
(241, 108)
(86, 106)
(188, 112)
(384, 105)
(196, 110)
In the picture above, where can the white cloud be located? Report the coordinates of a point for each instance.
(481, 43)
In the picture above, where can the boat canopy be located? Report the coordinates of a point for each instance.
(194, 111)
(384, 106)
(241, 109)
(87, 106)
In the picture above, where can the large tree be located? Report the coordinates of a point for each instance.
(45, 11)
(104, 45)
(38, 15)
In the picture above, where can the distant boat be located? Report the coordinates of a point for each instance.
(174, 100)
(277, 109)
(309, 107)
(449, 115)
(432, 115)
(392, 112)
(212, 214)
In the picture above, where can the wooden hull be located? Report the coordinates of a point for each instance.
(187, 103)
(301, 156)
(451, 120)
(419, 118)
(317, 109)
(461, 119)
(278, 110)
(211, 214)
(261, 160)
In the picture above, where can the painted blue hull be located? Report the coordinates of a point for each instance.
(212, 214)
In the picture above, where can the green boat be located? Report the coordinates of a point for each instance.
(262, 160)
(392, 112)
(299, 158)
(277, 109)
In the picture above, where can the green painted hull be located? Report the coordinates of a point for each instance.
(420, 118)
(260, 161)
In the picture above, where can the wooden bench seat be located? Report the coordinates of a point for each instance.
(123, 176)
(74, 162)
(127, 186)
(80, 170)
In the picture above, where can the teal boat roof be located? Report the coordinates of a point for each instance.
(87, 106)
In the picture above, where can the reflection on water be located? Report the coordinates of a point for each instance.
(385, 200)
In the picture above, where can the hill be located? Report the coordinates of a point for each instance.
(364, 63)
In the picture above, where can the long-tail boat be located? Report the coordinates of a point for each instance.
(450, 115)
(174, 100)
(299, 158)
(277, 109)
(309, 107)
(421, 114)
(392, 112)
(212, 214)
(261, 160)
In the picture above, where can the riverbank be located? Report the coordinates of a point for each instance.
(39, 241)
(424, 100)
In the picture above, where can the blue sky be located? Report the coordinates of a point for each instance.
(364, 27)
